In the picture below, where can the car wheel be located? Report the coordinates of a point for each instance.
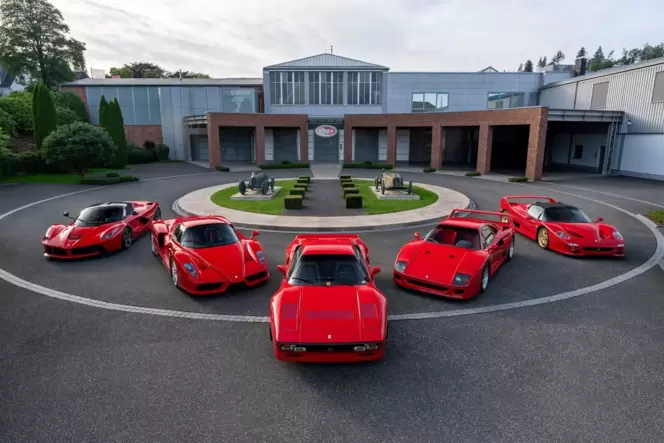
(510, 250)
(126, 238)
(269, 331)
(174, 274)
(484, 282)
(157, 214)
(543, 238)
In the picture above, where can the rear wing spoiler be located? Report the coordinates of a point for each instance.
(330, 236)
(507, 198)
(501, 219)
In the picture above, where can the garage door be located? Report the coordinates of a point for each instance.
(236, 145)
(326, 149)
(285, 145)
(420, 146)
(366, 145)
(199, 148)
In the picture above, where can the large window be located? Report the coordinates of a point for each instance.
(326, 88)
(505, 100)
(658, 88)
(430, 101)
(287, 88)
(364, 88)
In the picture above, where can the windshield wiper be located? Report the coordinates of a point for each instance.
(304, 280)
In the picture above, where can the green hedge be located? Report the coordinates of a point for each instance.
(353, 202)
(304, 178)
(137, 156)
(368, 165)
(222, 168)
(429, 170)
(344, 177)
(108, 180)
(293, 202)
(517, 179)
(286, 165)
(473, 174)
(345, 185)
(303, 182)
(302, 186)
(299, 192)
(350, 191)
(26, 162)
(162, 152)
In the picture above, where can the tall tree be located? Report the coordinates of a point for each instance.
(528, 67)
(558, 57)
(103, 105)
(138, 70)
(34, 39)
(520, 67)
(186, 74)
(539, 63)
(582, 52)
(115, 127)
(44, 116)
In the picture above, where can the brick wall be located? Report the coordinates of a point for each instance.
(81, 91)
(140, 133)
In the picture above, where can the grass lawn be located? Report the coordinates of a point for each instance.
(657, 217)
(55, 179)
(274, 206)
(373, 206)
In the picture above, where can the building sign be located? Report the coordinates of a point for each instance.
(326, 131)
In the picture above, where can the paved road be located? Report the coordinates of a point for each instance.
(586, 369)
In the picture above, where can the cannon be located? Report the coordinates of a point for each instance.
(389, 180)
(259, 181)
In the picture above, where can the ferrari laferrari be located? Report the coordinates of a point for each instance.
(458, 257)
(207, 255)
(562, 228)
(101, 228)
(328, 308)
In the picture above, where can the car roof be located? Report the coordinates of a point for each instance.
(468, 224)
(109, 204)
(328, 249)
(547, 205)
(199, 221)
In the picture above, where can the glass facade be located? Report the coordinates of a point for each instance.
(287, 88)
(505, 100)
(139, 104)
(364, 88)
(430, 102)
(326, 88)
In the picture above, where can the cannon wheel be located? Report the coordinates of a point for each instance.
(265, 188)
(382, 186)
(376, 183)
(410, 187)
(272, 184)
(243, 187)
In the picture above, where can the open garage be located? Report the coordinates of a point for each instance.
(509, 151)
(237, 144)
(286, 144)
(420, 146)
(366, 145)
(461, 147)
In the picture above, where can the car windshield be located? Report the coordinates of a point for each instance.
(208, 236)
(455, 236)
(328, 270)
(567, 214)
(100, 215)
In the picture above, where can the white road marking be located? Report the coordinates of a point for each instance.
(653, 261)
(610, 194)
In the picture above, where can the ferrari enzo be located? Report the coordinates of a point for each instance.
(328, 308)
(101, 228)
(458, 257)
(206, 255)
(562, 228)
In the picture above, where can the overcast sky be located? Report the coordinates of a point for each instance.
(227, 38)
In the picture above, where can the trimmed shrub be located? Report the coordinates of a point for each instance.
(7, 123)
(517, 179)
(95, 180)
(222, 168)
(137, 156)
(66, 116)
(161, 150)
(347, 185)
(304, 178)
(473, 174)
(301, 181)
(44, 115)
(149, 144)
(19, 106)
(353, 201)
(112, 174)
(429, 169)
(286, 165)
(71, 101)
(350, 191)
(300, 186)
(110, 118)
(293, 202)
(344, 177)
(368, 165)
(299, 192)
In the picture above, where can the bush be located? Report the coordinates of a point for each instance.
(344, 177)
(112, 174)
(66, 116)
(19, 106)
(149, 144)
(293, 202)
(286, 165)
(110, 118)
(301, 186)
(72, 102)
(78, 146)
(517, 179)
(137, 156)
(350, 191)
(353, 202)
(93, 180)
(7, 124)
(429, 170)
(222, 168)
(297, 192)
(162, 152)
(473, 174)
(303, 178)
(345, 185)
(368, 165)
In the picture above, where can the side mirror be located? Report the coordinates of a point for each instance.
(417, 236)
(255, 234)
(375, 270)
(66, 214)
(282, 269)
(134, 213)
(599, 219)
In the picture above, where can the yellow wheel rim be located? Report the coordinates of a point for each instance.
(543, 238)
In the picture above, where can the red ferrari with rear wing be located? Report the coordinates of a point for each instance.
(100, 228)
(328, 308)
(458, 257)
(206, 255)
(562, 228)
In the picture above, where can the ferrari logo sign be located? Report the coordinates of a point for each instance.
(329, 337)
(426, 276)
(326, 131)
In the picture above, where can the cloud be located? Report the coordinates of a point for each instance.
(227, 39)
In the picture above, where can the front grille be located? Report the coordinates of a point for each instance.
(258, 276)
(333, 348)
(427, 285)
(56, 251)
(87, 250)
(598, 249)
(208, 286)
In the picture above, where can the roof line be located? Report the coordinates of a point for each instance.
(324, 53)
(607, 72)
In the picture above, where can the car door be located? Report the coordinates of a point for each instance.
(172, 244)
(531, 220)
(491, 243)
(133, 221)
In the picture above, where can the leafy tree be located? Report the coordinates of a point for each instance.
(138, 70)
(34, 39)
(582, 52)
(528, 67)
(44, 117)
(4, 139)
(71, 101)
(7, 123)
(79, 146)
(19, 106)
(558, 57)
(186, 74)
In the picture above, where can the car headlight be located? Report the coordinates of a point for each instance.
(461, 279)
(400, 266)
(564, 235)
(190, 269)
(261, 257)
(617, 235)
(111, 233)
(47, 236)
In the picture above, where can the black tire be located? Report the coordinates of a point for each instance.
(242, 186)
(483, 286)
(410, 187)
(269, 332)
(382, 187)
(511, 248)
(543, 238)
(127, 238)
(265, 188)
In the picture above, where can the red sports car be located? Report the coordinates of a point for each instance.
(206, 255)
(562, 228)
(458, 257)
(328, 308)
(101, 228)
